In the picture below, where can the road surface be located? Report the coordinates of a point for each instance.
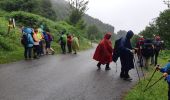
(62, 77)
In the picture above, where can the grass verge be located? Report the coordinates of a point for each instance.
(158, 91)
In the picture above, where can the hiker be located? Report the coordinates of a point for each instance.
(126, 55)
(42, 41)
(69, 43)
(166, 73)
(157, 47)
(49, 39)
(139, 45)
(103, 53)
(147, 52)
(138, 48)
(36, 44)
(27, 42)
(63, 42)
(75, 44)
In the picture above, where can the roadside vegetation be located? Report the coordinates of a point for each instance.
(158, 91)
(10, 46)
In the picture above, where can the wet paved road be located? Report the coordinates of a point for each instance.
(62, 77)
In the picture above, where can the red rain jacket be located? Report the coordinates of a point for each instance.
(104, 50)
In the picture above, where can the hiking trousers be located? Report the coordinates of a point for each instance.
(27, 52)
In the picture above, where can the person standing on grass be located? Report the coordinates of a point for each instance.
(126, 55)
(166, 73)
(75, 44)
(157, 48)
(103, 53)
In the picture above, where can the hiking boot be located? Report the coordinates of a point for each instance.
(98, 66)
(127, 79)
(122, 75)
(53, 52)
(107, 68)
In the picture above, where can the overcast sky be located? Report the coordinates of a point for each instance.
(126, 14)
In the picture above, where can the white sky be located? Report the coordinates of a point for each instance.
(126, 14)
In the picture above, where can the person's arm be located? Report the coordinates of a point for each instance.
(123, 48)
(31, 39)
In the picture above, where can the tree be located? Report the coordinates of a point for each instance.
(78, 8)
(40, 7)
(93, 32)
(149, 31)
(121, 33)
(163, 24)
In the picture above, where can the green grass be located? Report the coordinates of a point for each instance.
(158, 91)
(7, 57)
(11, 49)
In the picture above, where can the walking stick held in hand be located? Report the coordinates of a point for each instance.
(136, 67)
(116, 67)
(151, 77)
(153, 84)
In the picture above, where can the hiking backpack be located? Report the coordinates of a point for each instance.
(157, 45)
(116, 51)
(147, 49)
(24, 40)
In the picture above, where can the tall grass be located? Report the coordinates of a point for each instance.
(10, 46)
(158, 91)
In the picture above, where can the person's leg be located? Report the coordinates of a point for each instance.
(127, 77)
(75, 51)
(69, 48)
(44, 48)
(152, 60)
(34, 51)
(147, 62)
(25, 52)
(64, 47)
(107, 66)
(122, 73)
(38, 50)
(98, 65)
(156, 57)
(30, 52)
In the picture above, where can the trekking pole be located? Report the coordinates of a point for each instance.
(153, 84)
(143, 73)
(150, 79)
(116, 67)
(136, 68)
(141, 61)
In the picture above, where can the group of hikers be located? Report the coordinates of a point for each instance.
(69, 40)
(39, 41)
(145, 49)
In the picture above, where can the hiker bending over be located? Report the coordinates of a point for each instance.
(103, 52)
(126, 55)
